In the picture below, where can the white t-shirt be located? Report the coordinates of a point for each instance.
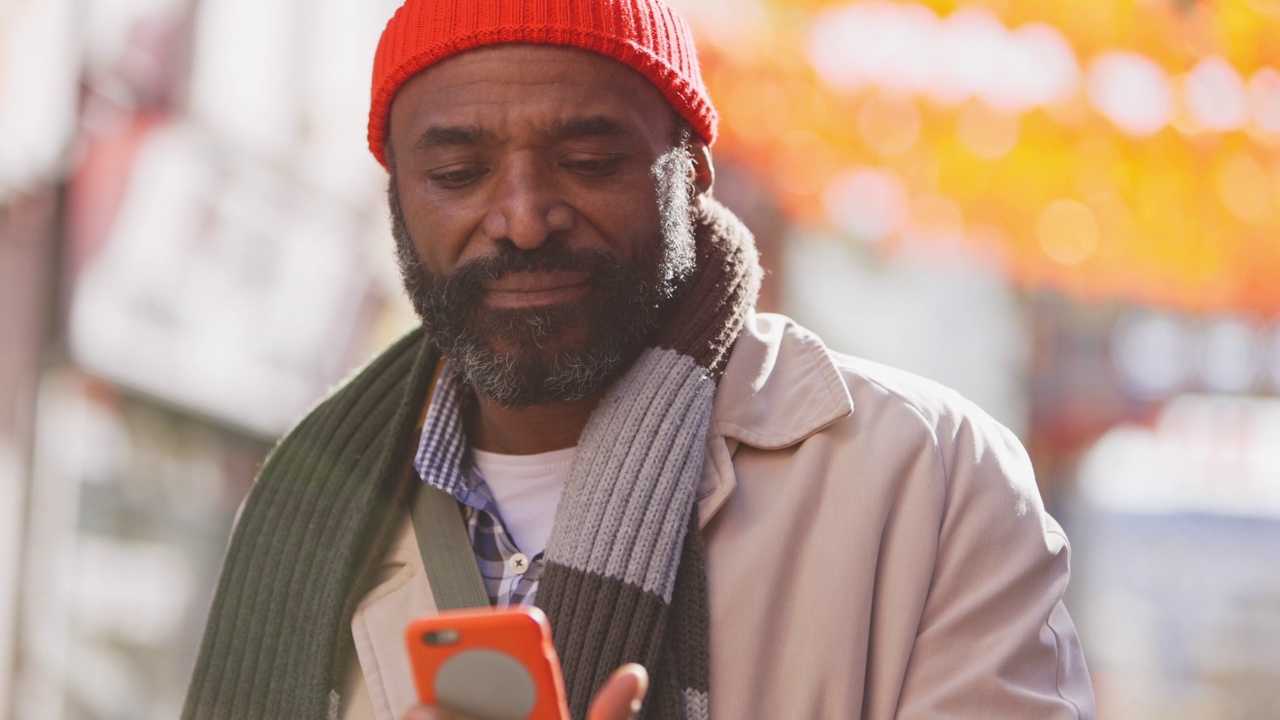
(527, 489)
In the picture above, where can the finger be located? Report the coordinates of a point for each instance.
(621, 695)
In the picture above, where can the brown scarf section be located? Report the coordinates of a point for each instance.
(625, 579)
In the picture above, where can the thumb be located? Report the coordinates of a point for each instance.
(621, 695)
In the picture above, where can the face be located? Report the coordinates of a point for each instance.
(540, 200)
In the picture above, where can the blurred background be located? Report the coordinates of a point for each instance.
(1067, 210)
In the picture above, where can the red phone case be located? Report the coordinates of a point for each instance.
(488, 664)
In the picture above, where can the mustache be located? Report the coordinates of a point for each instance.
(470, 278)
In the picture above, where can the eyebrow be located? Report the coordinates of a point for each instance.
(452, 136)
(590, 126)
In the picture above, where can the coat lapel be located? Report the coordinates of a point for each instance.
(780, 387)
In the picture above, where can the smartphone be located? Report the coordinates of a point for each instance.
(488, 664)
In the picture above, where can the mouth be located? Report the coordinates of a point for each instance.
(536, 289)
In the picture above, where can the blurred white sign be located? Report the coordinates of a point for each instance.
(223, 287)
(1212, 454)
(39, 86)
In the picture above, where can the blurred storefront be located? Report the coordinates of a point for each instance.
(1168, 426)
(1066, 211)
(190, 259)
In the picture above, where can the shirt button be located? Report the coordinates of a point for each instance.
(518, 563)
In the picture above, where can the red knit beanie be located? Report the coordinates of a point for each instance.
(643, 34)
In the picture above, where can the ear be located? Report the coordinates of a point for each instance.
(703, 171)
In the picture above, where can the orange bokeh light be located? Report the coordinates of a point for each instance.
(1183, 215)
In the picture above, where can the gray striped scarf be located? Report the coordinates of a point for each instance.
(625, 579)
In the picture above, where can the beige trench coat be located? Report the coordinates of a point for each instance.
(876, 548)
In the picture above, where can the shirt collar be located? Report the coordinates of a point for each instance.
(443, 460)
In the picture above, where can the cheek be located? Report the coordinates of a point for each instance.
(439, 237)
(631, 220)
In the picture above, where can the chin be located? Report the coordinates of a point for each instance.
(563, 366)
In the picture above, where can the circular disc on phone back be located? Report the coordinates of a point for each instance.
(486, 684)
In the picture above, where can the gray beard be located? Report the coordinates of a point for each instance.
(626, 303)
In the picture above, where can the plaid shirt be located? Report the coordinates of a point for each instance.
(443, 461)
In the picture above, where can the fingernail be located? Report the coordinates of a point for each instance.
(642, 678)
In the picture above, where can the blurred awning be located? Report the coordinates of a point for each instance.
(1123, 150)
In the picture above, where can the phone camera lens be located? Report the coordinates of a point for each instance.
(441, 637)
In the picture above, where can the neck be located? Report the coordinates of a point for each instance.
(528, 430)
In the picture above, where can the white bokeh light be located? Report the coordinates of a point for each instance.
(908, 48)
(867, 204)
(1152, 354)
(980, 58)
(1132, 91)
(1272, 358)
(1215, 95)
(874, 43)
(1229, 355)
(1048, 71)
(1264, 99)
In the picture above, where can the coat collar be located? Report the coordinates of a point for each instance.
(779, 387)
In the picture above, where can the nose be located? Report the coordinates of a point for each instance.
(527, 209)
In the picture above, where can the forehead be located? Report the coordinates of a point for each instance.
(504, 87)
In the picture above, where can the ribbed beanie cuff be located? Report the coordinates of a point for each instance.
(645, 35)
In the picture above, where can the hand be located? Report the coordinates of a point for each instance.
(618, 699)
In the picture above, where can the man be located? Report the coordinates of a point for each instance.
(767, 528)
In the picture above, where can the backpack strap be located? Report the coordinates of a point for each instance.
(446, 551)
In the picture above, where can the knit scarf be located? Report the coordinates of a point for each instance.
(624, 581)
